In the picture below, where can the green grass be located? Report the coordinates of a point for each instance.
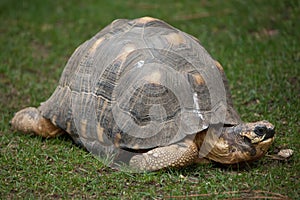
(256, 41)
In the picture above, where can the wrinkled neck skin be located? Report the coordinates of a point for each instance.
(231, 145)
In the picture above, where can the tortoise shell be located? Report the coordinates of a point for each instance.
(136, 85)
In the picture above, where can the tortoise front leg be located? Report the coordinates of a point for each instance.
(30, 120)
(176, 155)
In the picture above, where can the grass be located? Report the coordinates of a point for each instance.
(256, 41)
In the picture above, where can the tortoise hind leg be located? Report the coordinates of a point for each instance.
(30, 120)
(176, 155)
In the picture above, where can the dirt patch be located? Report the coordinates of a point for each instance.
(39, 50)
(294, 80)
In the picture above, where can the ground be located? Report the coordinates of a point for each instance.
(257, 42)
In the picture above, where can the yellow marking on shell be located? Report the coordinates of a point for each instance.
(96, 44)
(144, 20)
(83, 124)
(136, 146)
(127, 49)
(199, 79)
(154, 77)
(68, 129)
(117, 140)
(219, 66)
(103, 109)
(175, 38)
(53, 119)
(100, 133)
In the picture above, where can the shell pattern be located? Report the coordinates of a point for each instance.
(136, 85)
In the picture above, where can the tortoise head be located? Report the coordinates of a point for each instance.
(242, 143)
(256, 132)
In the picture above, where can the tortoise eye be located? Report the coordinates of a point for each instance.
(260, 130)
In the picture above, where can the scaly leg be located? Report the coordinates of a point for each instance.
(175, 155)
(30, 120)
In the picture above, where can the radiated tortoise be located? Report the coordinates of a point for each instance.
(145, 95)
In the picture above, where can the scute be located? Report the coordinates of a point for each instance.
(136, 85)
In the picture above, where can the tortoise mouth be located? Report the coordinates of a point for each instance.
(250, 138)
(265, 139)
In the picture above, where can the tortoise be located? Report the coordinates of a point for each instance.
(145, 95)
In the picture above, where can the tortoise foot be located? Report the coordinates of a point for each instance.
(30, 120)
